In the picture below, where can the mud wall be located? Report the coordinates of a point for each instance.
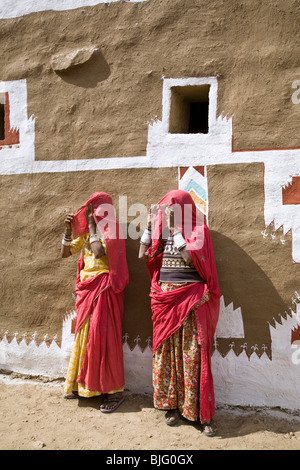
(89, 94)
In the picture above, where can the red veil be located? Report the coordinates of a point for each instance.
(169, 309)
(101, 297)
(111, 233)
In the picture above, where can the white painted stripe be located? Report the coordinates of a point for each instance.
(166, 150)
(16, 8)
(291, 158)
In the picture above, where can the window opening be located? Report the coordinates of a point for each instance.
(189, 110)
(198, 118)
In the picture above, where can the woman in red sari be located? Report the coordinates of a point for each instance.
(185, 299)
(96, 363)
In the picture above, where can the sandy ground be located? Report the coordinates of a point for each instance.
(35, 416)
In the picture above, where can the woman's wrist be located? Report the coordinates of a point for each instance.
(66, 240)
(146, 237)
(179, 240)
(92, 228)
(94, 238)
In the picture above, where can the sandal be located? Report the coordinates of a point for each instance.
(172, 417)
(209, 430)
(69, 396)
(115, 401)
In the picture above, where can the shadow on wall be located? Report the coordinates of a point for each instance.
(245, 284)
(242, 282)
(88, 74)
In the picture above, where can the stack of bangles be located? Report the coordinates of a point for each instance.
(66, 239)
(146, 237)
(94, 238)
(178, 238)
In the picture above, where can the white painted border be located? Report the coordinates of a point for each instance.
(165, 150)
(238, 380)
(17, 8)
(23, 154)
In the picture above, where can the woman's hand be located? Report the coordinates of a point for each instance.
(97, 247)
(149, 218)
(68, 224)
(166, 212)
(170, 218)
(65, 248)
(89, 217)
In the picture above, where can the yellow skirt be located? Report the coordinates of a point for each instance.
(75, 364)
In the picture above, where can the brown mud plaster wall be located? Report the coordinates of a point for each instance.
(36, 284)
(101, 108)
(255, 273)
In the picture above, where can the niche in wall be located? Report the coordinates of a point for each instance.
(189, 109)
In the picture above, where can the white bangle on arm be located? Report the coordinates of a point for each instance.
(94, 238)
(179, 241)
(66, 240)
(146, 237)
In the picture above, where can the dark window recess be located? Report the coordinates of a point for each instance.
(2, 122)
(189, 110)
(198, 118)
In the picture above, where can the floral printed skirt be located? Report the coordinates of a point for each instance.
(176, 370)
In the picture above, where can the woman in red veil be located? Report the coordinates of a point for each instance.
(96, 363)
(185, 300)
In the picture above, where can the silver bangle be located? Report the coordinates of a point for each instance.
(179, 241)
(94, 238)
(66, 242)
(146, 237)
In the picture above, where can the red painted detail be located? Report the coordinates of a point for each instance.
(11, 136)
(295, 335)
(291, 193)
(200, 169)
(183, 170)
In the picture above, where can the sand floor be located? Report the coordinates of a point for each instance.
(35, 416)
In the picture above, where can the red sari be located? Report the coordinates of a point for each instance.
(170, 309)
(101, 298)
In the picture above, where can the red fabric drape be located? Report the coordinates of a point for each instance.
(79, 222)
(169, 309)
(111, 233)
(101, 297)
(102, 368)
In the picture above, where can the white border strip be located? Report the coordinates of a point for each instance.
(289, 162)
(17, 8)
(166, 150)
